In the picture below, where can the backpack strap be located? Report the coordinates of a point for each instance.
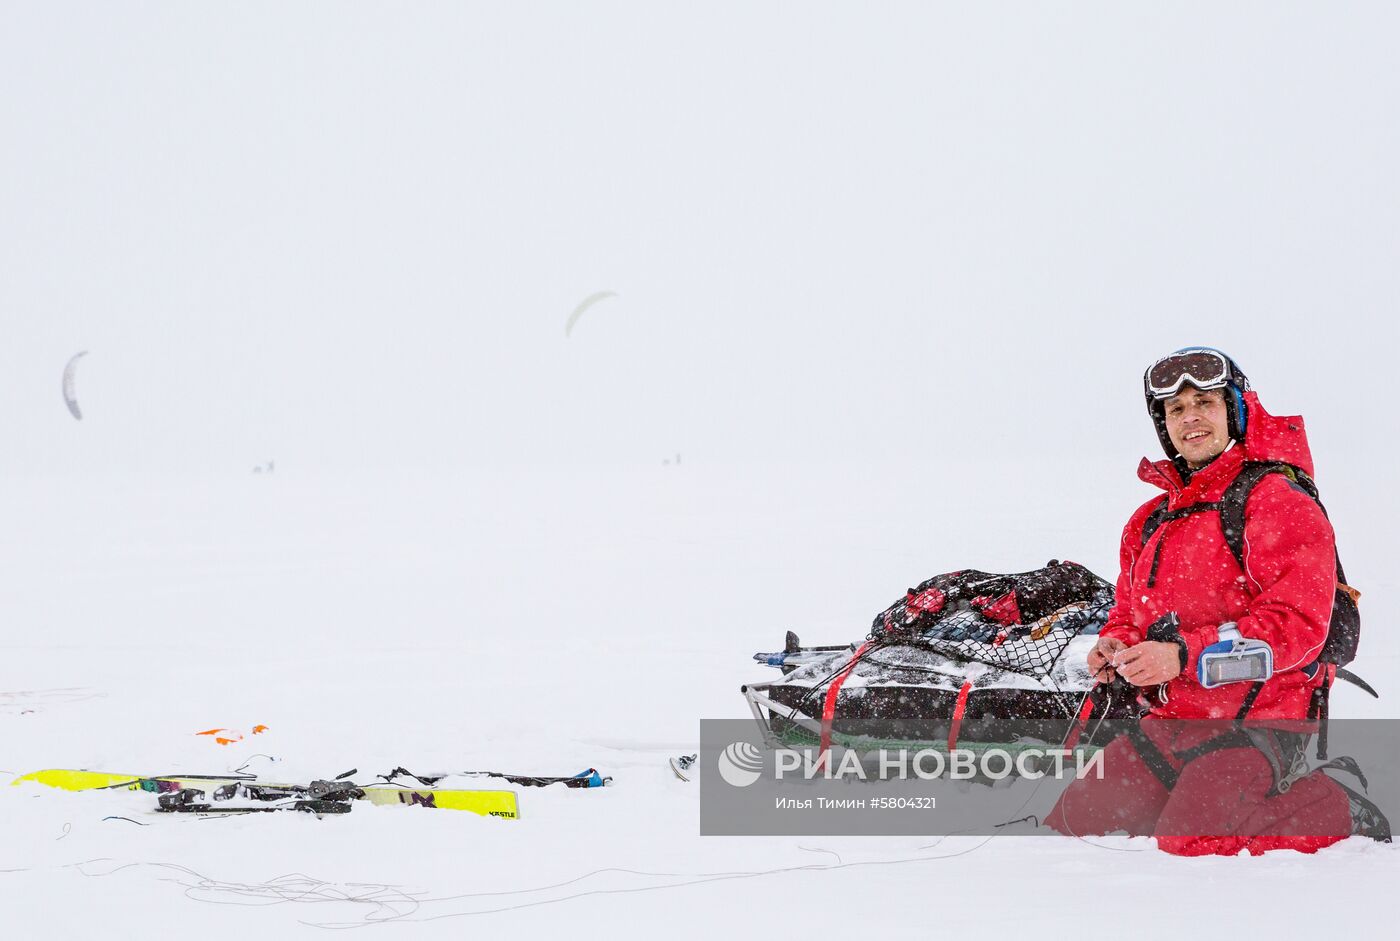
(1317, 712)
(1151, 755)
(1161, 516)
(1284, 751)
(1255, 689)
(1232, 503)
(1156, 518)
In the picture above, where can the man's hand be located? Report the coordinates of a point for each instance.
(1100, 656)
(1148, 663)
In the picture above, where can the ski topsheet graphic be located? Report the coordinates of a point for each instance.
(488, 803)
(587, 778)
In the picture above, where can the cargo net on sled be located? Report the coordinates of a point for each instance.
(1021, 622)
(967, 657)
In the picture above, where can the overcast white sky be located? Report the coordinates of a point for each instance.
(337, 233)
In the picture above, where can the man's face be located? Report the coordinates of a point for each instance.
(1198, 424)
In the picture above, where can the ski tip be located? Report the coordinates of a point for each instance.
(71, 780)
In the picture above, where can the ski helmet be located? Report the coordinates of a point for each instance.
(1204, 368)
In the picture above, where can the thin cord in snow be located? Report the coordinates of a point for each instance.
(699, 879)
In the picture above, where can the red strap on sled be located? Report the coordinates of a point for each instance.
(958, 711)
(1072, 739)
(829, 704)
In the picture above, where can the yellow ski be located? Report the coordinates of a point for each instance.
(487, 803)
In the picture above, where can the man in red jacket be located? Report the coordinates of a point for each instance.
(1180, 593)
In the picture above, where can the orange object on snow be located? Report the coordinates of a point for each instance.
(229, 736)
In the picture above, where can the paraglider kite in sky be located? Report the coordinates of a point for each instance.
(588, 302)
(69, 397)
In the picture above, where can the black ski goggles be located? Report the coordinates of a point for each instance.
(1204, 369)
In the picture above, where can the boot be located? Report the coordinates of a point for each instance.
(1366, 818)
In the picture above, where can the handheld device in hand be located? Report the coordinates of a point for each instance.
(1234, 659)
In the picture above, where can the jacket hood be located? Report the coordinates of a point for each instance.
(1276, 438)
(1268, 438)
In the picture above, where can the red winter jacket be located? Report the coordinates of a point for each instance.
(1284, 595)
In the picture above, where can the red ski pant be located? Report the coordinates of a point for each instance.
(1219, 805)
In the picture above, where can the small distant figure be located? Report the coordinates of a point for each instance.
(667, 461)
(267, 468)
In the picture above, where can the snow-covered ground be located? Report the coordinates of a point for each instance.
(885, 283)
(537, 623)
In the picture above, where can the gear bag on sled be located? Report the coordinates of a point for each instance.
(1344, 629)
(967, 656)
